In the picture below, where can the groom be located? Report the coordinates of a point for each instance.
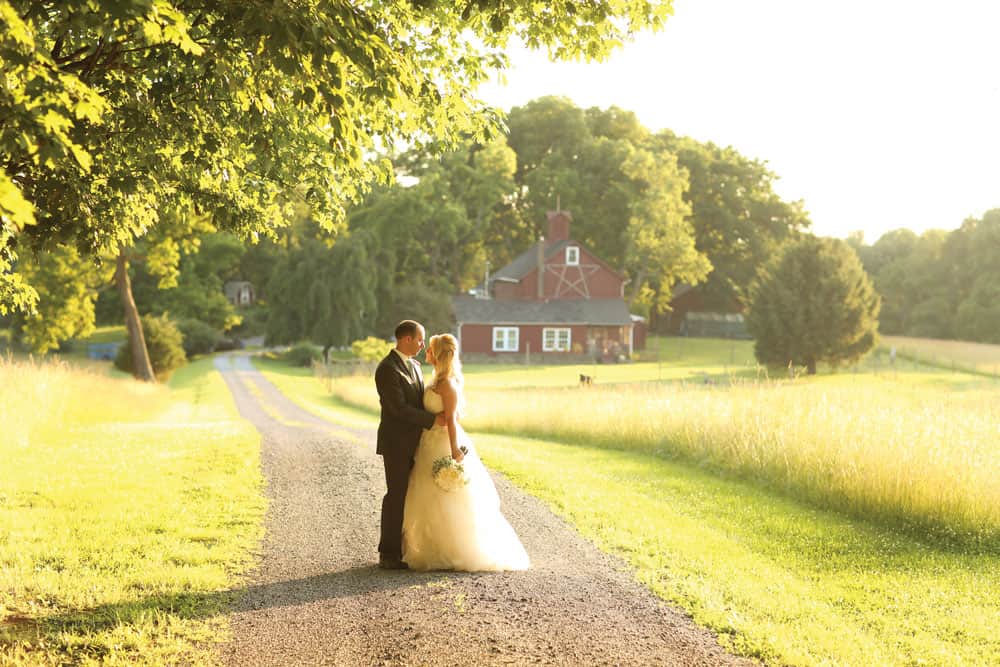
(400, 387)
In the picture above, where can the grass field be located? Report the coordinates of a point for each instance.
(777, 578)
(667, 359)
(974, 357)
(914, 447)
(126, 512)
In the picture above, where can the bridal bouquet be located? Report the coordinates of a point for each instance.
(449, 474)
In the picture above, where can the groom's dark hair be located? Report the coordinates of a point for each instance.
(406, 328)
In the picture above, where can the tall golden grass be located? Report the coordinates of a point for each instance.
(910, 454)
(38, 397)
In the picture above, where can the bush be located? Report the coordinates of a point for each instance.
(199, 337)
(254, 322)
(225, 344)
(164, 343)
(371, 348)
(303, 354)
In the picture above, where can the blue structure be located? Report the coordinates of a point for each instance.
(104, 351)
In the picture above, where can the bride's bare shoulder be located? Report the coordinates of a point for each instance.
(448, 386)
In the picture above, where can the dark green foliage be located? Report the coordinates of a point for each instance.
(196, 292)
(939, 284)
(199, 338)
(624, 191)
(417, 301)
(254, 321)
(682, 210)
(978, 316)
(165, 345)
(302, 354)
(740, 223)
(321, 293)
(814, 304)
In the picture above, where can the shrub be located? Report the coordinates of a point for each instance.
(199, 337)
(303, 354)
(371, 348)
(225, 344)
(254, 321)
(164, 344)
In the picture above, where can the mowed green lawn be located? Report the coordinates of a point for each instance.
(666, 359)
(765, 563)
(126, 512)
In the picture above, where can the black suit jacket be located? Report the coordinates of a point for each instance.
(403, 416)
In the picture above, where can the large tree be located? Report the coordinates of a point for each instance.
(116, 113)
(626, 195)
(322, 292)
(739, 222)
(815, 303)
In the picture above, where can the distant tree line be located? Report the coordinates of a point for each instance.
(939, 284)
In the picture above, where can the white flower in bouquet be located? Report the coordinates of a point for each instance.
(449, 474)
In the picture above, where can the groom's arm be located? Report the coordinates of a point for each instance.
(390, 393)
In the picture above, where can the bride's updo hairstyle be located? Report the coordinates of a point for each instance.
(446, 363)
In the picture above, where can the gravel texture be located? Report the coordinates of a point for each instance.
(318, 598)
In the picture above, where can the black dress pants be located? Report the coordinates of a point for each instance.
(397, 479)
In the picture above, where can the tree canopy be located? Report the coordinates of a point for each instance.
(724, 223)
(814, 303)
(939, 284)
(739, 222)
(118, 113)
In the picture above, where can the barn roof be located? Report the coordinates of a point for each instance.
(601, 312)
(527, 261)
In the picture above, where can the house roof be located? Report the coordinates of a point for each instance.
(527, 261)
(607, 312)
(232, 287)
(681, 289)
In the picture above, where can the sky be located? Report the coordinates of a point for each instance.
(878, 114)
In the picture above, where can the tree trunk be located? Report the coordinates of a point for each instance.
(141, 367)
(811, 367)
(637, 285)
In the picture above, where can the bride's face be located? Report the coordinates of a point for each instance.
(430, 356)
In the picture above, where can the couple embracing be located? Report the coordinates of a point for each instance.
(427, 525)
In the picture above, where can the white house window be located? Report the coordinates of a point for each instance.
(572, 255)
(505, 339)
(555, 340)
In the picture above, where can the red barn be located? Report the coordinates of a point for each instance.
(556, 300)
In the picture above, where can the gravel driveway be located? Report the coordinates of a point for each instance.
(318, 598)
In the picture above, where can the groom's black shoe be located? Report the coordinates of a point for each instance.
(392, 564)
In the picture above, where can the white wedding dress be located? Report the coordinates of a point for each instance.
(461, 529)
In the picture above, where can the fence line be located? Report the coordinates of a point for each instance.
(330, 371)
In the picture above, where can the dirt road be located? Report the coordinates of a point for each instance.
(318, 599)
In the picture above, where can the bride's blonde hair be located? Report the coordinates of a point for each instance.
(446, 363)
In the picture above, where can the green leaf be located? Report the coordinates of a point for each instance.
(16, 212)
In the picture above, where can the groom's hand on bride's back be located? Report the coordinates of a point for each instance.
(440, 419)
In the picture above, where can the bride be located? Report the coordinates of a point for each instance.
(461, 529)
